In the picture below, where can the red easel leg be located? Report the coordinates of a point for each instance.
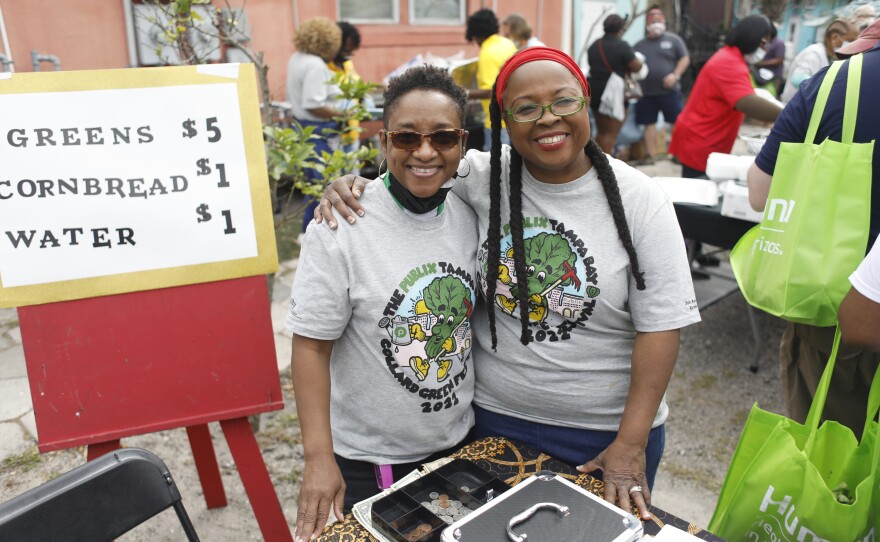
(100, 448)
(255, 478)
(206, 464)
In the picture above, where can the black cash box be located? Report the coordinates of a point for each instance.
(420, 510)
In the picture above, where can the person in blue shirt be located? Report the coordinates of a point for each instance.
(805, 349)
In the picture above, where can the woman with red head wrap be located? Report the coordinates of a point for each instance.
(584, 278)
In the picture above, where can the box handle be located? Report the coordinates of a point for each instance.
(561, 511)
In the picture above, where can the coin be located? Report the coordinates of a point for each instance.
(426, 504)
(455, 504)
(466, 489)
(443, 497)
(447, 519)
(434, 495)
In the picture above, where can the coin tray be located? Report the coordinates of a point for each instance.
(401, 513)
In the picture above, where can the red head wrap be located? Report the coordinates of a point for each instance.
(538, 53)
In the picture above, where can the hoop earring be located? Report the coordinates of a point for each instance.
(382, 163)
(466, 161)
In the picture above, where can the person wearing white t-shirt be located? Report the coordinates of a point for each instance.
(309, 89)
(517, 29)
(859, 312)
(816, 56)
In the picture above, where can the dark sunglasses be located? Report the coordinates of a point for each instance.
(441, 140)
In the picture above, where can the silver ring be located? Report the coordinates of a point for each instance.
(636, 488)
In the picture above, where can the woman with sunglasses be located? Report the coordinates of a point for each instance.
(592, 249)
(381, 314)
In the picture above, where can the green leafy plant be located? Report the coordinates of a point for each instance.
(291, 151)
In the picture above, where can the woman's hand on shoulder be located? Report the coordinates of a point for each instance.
(322, 488)
(623, 471)
(342, 194)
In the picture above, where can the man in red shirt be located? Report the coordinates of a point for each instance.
(721, 97)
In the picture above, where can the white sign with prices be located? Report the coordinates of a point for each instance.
(115, 181)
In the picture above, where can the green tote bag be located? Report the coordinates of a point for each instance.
(784, 479)
(814, 232)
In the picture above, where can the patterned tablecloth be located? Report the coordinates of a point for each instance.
(512, 463)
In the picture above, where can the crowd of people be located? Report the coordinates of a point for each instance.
(534, 288)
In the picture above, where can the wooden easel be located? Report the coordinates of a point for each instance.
(105, 368)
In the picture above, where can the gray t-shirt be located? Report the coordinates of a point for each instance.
(661, 55)
(576, 372)
(396, 294)
(308, 87)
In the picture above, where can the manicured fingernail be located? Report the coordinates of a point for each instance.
(357, 193)
(360, 213)
(351, 220)
(332, 225)
(580, 468)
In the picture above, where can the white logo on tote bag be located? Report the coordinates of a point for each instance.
(785, 208)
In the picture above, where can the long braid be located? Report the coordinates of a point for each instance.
(519, 250)
(612, 193)
(493, 258)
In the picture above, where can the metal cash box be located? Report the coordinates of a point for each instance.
(546, 508)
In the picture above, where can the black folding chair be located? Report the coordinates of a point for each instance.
(98, 501)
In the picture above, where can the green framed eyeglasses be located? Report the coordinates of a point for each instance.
(561, 107)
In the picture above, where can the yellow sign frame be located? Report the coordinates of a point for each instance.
(266, 260)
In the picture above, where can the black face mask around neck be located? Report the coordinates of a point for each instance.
(413, 203)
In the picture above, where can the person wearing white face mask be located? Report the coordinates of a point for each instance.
(840, 32)
(863, 16)
(721, 98)
(667, 58)
(772, 59)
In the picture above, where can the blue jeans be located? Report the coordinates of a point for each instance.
(568, 444)
(321, 145)
(649, 107)
(487, 138)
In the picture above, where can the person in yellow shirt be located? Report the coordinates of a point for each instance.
(495, 49)
(342, 63)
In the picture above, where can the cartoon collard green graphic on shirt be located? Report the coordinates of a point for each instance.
(447, 300)
(550, 263)
(429, 332)
(561, 284)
